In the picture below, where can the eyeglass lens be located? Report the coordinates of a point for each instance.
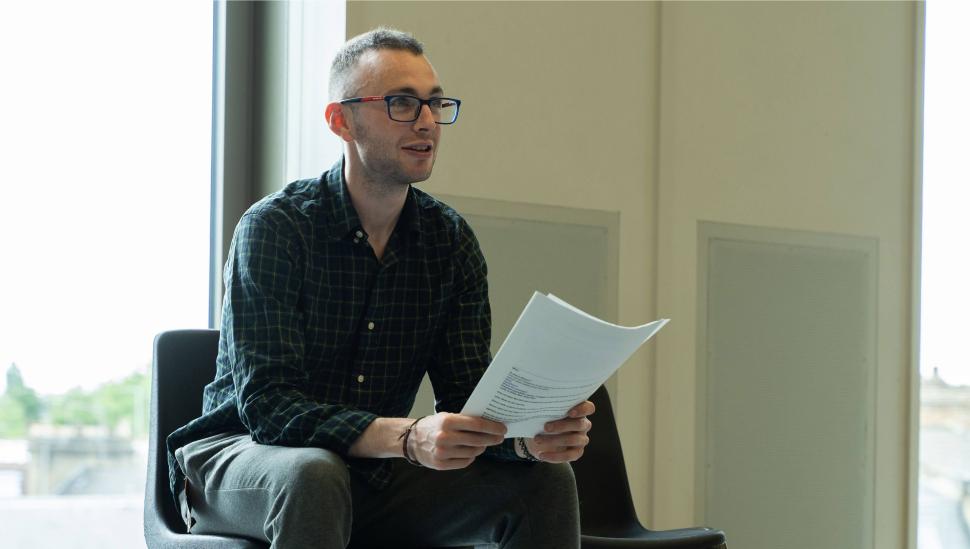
(408, 109)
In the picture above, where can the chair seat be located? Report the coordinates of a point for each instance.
(608, 517)
(683, 538)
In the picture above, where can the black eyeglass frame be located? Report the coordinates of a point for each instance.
(417, 112)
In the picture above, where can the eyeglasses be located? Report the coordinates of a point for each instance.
(407, 108)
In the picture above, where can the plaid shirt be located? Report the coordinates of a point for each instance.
(319, 338)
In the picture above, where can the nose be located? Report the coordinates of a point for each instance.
(425, 119)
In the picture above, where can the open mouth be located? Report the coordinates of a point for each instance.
(418, 148)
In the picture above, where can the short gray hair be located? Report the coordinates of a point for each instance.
(381, 38)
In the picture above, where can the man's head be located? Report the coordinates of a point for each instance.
(342, 70)
(383, 150)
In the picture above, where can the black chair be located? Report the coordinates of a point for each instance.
(608, 518)
(184, 362)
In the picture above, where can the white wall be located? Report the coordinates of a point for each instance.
(779, 115)
(796, 116)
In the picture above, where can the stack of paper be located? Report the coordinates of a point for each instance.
(555, 357)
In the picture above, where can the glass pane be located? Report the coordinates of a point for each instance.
(944, 481)
(104, 240)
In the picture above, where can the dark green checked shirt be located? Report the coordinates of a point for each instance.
(319, 338)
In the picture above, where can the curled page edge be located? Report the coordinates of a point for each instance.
(477, 398)
(562, 303)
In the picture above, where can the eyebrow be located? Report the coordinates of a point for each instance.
(437, 90)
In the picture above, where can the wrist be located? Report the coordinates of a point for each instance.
(407, 444)
(381, 439)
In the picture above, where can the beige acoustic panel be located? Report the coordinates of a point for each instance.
(786, 369)
(569, 252)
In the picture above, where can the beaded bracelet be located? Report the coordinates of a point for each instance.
(525, 450)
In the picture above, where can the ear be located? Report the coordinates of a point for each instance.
(337, 122)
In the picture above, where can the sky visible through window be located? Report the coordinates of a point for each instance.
(946, 193)
(105, 212)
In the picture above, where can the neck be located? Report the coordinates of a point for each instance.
(378, 204)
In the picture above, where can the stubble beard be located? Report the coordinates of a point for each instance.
(385, 175)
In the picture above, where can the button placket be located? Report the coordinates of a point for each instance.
(373, 302)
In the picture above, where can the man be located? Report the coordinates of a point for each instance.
(341, 292)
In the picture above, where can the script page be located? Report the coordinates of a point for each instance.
(555, 357)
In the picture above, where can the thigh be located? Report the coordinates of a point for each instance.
(238, 487)
(489, 502)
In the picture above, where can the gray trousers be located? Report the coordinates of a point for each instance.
(306, 498)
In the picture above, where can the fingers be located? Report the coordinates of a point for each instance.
(565, 440)
(559, 448)
(442, 457)
(568, 425)
(584, 408)
(453, 441)
(453, 457)
(564, 456)
(575, 419)
(466, 438)
(458, 422)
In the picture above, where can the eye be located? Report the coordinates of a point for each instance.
(441, 103)
(401, 102)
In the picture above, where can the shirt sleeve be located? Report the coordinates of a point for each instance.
(463, 352)
(264, 330)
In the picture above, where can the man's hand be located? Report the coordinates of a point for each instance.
(453, 441)
(564, 439)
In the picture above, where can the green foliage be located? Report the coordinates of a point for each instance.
(74, 407)
(111, 405)
(19, 406)
(108, 405)
(25, 396)
(124, 400)
(14, 377)
(13, 420)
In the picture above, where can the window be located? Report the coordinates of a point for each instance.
(315, 31)
(944, 466)
(104, 240)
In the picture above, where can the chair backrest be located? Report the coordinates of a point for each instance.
(605, 503)
(184, 362)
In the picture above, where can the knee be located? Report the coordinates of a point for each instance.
(551, 506)
(556, 480)
(318, 474)
(312, 500)
(548, 484)
(319, 468)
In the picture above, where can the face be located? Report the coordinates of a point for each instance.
(389, 152)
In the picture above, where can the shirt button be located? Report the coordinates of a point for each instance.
(370, 325)
(360, 234)
(360, 378)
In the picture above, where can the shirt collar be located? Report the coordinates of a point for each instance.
(341, 217)
(411, 215)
